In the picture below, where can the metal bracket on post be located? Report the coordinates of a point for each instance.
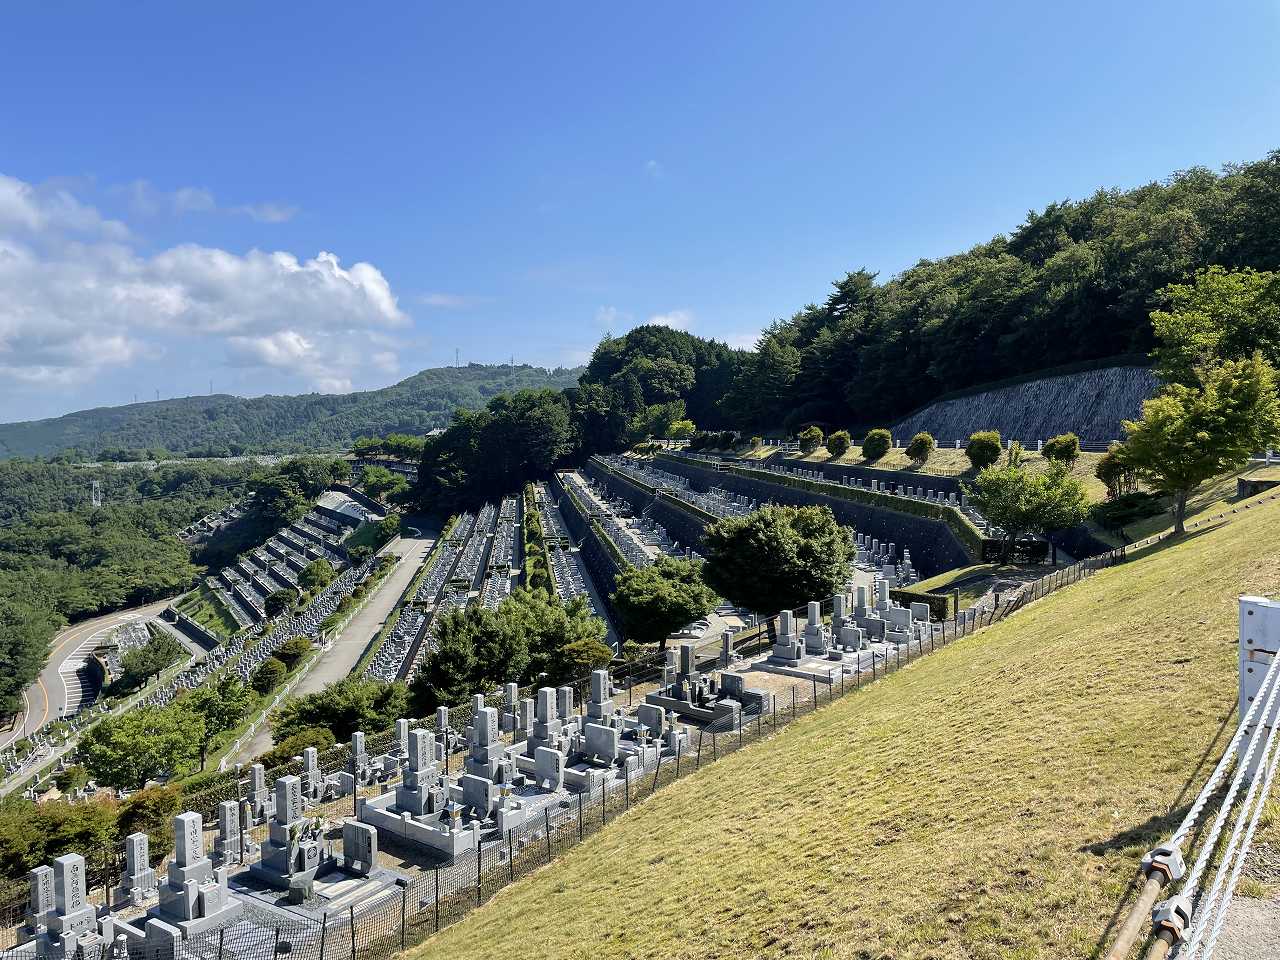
(1165, 859)
(1259, 646)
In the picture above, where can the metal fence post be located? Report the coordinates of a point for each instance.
(223, 932)
(626, 784)
(698, 759)
(436, 903)
(511, 857)
(324, 929)
(655, 773)
(604, 804)
(352, 915)
(793, 701)
(714, 754)
(579, 818)
(546, 817)
(479, 858)
(815, 691)
(404, 914)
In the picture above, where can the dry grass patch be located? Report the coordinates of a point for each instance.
(989, 801)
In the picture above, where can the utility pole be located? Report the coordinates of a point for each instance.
(457, 358)
(95, 494)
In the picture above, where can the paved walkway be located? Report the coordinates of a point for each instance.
(345, 651)
(46, 699)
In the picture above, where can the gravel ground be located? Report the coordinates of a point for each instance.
(1252, 931)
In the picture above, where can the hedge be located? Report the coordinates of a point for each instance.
(940, 604)
(969, 535)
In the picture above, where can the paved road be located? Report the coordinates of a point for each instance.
(337, 662)
(45, 699)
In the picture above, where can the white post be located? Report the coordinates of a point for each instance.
(1259, 645)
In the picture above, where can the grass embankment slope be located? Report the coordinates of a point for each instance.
(990, 801)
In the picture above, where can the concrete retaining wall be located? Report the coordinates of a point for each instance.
(934, 546)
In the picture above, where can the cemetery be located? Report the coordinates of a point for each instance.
(520, 767)
(465, 567)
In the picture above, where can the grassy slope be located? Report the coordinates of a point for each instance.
(990, 801)
(951, 462)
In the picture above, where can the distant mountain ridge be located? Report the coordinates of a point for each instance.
(282, 424)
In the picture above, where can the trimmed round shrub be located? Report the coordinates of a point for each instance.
(1117, 475)
(920, 449)
(1064, 448)
(291, 746)
(984, 448)
(838, 443)
(268, 676)
(810, 439)
(876, 443)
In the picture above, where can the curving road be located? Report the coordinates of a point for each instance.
(47, 698)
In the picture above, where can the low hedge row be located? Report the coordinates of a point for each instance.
(941, 605)
(969, 535)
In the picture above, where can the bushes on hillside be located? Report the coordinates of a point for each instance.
(293, 745)
(777, 557)
(269, 674)
(1064, 448)
(810, 439)
(877, 443)
(984, 448)
(921, 447)
(1120, 511)
(838, 443)
(1116, 475)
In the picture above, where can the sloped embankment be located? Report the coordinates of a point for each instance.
(1090, 404)
(989, 801)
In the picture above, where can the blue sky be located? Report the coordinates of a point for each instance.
(519, 178)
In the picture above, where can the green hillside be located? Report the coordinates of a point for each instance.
(990, 801)
(224, 424)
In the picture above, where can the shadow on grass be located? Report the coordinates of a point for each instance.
(1171, 541)
(1154, 829)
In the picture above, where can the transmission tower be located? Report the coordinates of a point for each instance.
(95, 494)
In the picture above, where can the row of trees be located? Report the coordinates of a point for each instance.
(1075, 282)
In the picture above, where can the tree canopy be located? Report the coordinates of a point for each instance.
(778, 557)
(1189, 434)
(142, 744)
(657, 600)
(1021, 502)
(342, 708)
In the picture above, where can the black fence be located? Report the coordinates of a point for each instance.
(436, 897)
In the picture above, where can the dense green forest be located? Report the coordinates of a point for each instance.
(1076, 282)
(63, 560)
(222, 425)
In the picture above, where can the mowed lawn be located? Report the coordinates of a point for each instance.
(989, 801)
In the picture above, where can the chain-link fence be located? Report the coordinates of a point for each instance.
(434, 897)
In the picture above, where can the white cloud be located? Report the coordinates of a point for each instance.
(146, 200)
(267, 212)
(193, 200)
(676, 319)
(743, 341)
(448, 301)
(611, 318)
(76, 296)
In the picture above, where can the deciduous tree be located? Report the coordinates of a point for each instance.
(656, 600)
(777, 557)
(1189, 434)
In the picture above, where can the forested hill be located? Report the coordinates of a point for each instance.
(222, 424)
(1076, 281)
